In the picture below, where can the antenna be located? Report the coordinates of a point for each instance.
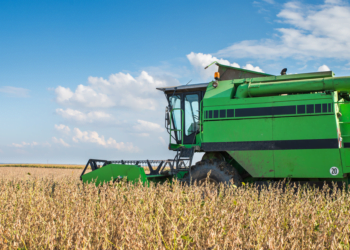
(210, 64)
(189, 82)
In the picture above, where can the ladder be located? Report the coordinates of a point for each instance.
(183, 154)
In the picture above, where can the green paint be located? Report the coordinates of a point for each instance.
(249, 89)
(307, 163)
(258, 163)
(238, 130)
(181, 174)
(112, 172)
(345, 157)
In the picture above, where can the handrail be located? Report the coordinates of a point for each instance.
(342, 102)
(201, 119)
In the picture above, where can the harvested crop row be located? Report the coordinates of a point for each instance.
(64, 214)
(64, 166)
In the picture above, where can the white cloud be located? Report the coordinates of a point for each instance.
(30, 144)
(23, 144)
(324, 67)
(63, 94)
(269, 1)
(83, 95)
(60, 141)
(62, 128)
(141, 134)
(119, 90)
(13, 91)
(45, 144)
(93, 137)
(199, 61)
(302, 68)
(147, 126)
(162, 141)
(78, 116)
(313, 31)
(251, 67)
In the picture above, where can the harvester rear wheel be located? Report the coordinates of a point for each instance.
(220, 172)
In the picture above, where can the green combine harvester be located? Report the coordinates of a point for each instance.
(252, 127)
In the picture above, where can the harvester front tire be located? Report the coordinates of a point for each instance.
(220, 172)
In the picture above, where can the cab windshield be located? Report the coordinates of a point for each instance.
(191, 113)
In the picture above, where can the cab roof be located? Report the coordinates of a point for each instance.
(226, 73)
(185, 88)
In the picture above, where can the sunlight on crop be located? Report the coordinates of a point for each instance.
(65, 214)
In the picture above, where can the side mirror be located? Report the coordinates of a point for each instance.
(167, 119)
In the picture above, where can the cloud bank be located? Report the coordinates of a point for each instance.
(199, 61)
(94, 137)
(119, 90)
(62, 128)
(81, 117)
(60, 141)
(30, 144)
(315, 31)
(13, 91)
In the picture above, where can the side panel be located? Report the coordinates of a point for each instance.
(307, 163)
(283, 136)
(345, 157)
(304, 127)
(344, 123)
(238, 130)
(258, 163)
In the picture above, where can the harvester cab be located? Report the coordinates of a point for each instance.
(251, 126)
(183, 113)
(183, 116)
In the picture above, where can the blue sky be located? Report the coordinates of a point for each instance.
(78, 78)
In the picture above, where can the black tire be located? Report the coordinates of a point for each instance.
(220, 172)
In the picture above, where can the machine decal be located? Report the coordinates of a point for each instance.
(271, 145)
(334, 171)
(270, 111)
(310, 109)
(267, 111)
(317, 108)
(216, 113)
(230, 113)
(301, 109)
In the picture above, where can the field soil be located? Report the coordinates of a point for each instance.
(25, 173)
(36, 165)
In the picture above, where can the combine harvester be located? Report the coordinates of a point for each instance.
(252, 127)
